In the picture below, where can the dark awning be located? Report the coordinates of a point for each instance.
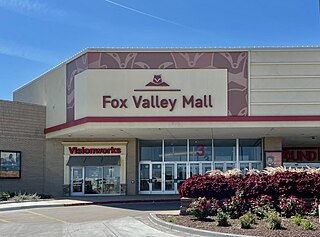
(93, 160)
(76, 160)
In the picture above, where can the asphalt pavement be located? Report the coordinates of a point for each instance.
(114, 220)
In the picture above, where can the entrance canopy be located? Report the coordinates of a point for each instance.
(94, 161)
(294, 131)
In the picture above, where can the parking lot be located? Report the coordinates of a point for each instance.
(92, 220)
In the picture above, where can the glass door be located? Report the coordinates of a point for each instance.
(145, 178)
(77, 181)
(156, 176)
(151, 178)
(169, 178)
(181, 174)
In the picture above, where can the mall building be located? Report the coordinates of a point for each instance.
(142, 121)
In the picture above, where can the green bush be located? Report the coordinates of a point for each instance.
(274, 220)
(4, 196)
(170, 219)
(222, 219)
(296, 220)
(307, 225)
(247, 220)
(20, 197)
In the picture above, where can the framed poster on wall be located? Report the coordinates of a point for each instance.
(273, 158)
(10, 164)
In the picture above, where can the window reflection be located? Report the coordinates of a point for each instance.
(200, 150)
(175, 150)
(151, 150)
(250, 150)
(224, 149)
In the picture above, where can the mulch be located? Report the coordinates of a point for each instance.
(259, 229)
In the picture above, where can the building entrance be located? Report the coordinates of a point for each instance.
(167, 177)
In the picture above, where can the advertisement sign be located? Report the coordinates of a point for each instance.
(273, 158)
(10, 164)
(301, 154)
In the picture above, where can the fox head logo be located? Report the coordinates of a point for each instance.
(157, 81)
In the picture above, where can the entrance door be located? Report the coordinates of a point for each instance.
(169, 178)
(156, 176)
(77, 181)
(181, 174)
(162, 177)
(145, 178)
(151, 178)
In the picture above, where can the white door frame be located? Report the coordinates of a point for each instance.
(72, 179)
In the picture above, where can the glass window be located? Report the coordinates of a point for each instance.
(224, 150)
(93, 180)
(200, 150)
(250, 149)
(111, 179)
(151, 150)
(257, 166)
(219, 166)
(175, 150)
(194, 169)
(244, 167)
(206, 167)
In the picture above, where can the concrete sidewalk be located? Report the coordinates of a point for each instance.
(77, 201)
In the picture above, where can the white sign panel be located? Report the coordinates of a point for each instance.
(163, 92)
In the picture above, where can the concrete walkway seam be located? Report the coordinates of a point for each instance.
(153, 217)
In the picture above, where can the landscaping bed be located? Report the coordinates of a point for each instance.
(259, 229)
(273, 202)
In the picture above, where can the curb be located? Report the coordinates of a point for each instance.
(120, 202)
(153, 218)
(84, 204)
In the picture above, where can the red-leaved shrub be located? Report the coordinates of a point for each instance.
(217, 186)
(288, 182)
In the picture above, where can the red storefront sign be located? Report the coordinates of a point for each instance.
(301, 154)
(86, 150)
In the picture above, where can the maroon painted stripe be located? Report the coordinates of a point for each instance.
(167, 90)
(181, 119)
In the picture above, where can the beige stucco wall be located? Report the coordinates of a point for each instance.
(273, 143)
(132, 167)
(50, 90)
(284, 82)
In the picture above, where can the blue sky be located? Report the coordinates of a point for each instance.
(36, 35)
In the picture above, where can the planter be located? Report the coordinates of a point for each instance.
(184, 205)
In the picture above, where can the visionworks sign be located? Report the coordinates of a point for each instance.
(174, 92)
(86, 150)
